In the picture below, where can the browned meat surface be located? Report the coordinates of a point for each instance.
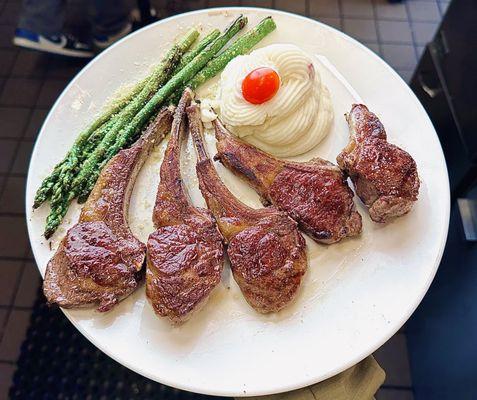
(315, 193)
(267, 253)
(384, 176)
(99, 261)
(185, 254)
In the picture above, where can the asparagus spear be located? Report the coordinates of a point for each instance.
(122, 102)
(158, 78)
(64, 190)
(92, 167)
(46, 188)
(191, 54)
(241, 46)
(44, 191)
(98, 135)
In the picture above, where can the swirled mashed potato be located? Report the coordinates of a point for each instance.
(292, 122)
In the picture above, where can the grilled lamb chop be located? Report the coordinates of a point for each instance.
(185, 254)
(384, 176)
(99, 261)
(267, 253)
(314, 193)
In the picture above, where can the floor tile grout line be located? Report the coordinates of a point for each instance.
(16, 150)
(23, 258)
(17, 286)
(2, 84)
(45, 80)
(11, 138)
(416, 52)
(11, 214)
(10, 309)
(389, 42)
(340, 12)
(365, 18)
(22, 105)
(15, 106)
(397, 387)
(378, 32)
(15, 308)
(12, 162)
(13, 175)
(442, 11)
(9, 72)
(14, 62)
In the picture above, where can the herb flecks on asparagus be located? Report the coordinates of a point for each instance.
(192, 53)
(68, 183)
(44, 191)
(91, 170)
(240, 46)
(157, 79)
(120, 126)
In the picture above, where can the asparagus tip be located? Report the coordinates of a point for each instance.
(48, 233)
(241, 20)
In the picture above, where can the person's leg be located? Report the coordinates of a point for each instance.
(45, 17)
(40, 27)
(110, 20)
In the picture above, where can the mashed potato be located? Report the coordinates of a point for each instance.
(292, 122)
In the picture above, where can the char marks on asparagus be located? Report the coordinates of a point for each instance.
(241, 46)
(314, 193)
(75, 176)
(267, 253)
(384, 176)
(99, 261)
(185, 254)
(147, 110)
(83, 163)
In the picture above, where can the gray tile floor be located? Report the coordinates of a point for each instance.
(30, 82)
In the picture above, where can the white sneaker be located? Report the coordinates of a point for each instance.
(63, 44)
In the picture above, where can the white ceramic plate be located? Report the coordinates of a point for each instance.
(356, 294)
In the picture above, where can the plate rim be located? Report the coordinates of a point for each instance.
(306, 381)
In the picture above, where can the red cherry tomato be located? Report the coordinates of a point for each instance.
(260, 85)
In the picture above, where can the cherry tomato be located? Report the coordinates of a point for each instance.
(260, 85)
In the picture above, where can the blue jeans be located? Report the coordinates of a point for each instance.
(46, 17)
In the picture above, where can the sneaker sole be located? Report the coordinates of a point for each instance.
(51, 49)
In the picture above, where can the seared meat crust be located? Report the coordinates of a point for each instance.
(314, 193)
(185, 254)
(267, 253)
(384, 176)
(99, 261)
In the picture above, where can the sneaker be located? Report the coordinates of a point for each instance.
(63, 44)
(103, 41)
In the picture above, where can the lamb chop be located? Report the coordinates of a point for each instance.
(267, 253)
(314, 193)
(99, 261)
(384, 176)
(185, 254)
